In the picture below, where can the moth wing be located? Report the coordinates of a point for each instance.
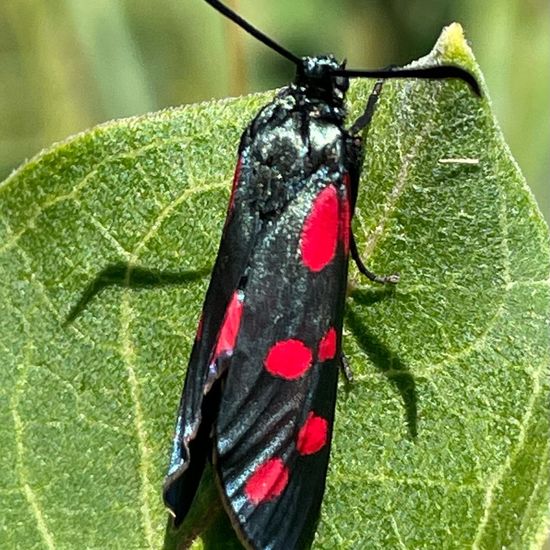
(276, 413)
(198, 402)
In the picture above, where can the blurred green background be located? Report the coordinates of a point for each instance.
(66, 65)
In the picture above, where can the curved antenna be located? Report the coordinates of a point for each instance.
(230, 14)
(435, 72)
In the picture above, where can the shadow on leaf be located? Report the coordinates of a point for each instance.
(384, 359)
(207, 517)
(134, 277)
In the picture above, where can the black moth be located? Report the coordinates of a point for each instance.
(260, 390)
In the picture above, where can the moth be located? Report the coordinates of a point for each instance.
(260, 390)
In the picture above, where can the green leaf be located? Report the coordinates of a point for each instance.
(441, 442)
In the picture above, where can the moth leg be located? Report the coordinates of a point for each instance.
(362, 123)
(364, 120)
(384, 279)
(346, 369)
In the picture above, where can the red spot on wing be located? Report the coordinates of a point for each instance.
(267, 482)
(236, 177)
(313, 435)
(200, 327)
(288, 359)
(345, 214)
(231, 323)
(327, 345)
(320, 231)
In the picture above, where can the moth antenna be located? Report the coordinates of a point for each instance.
(256, 33)
(435, 72)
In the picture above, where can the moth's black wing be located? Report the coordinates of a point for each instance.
(198, 403)
(276, 414)
(278, 284)
(270, 147)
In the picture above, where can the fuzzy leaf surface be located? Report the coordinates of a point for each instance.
(441, 442)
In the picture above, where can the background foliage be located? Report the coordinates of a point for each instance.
(66, 65)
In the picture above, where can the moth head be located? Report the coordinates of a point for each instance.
(318, 75)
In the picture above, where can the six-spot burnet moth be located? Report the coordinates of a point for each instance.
(260, 390)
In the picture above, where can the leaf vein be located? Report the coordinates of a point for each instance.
(498, 476)
(128, 355)
(402, 545)
(541, 480)
(106, 233)
(30, 495)
(170, 207)
(79, 186)
(397, 190)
